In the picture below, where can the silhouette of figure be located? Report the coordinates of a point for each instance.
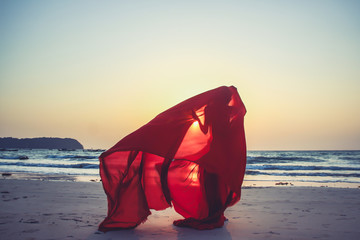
(217, 121)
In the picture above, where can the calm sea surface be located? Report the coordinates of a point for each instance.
(291, 166)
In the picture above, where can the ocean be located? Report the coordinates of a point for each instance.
(305, 167)
(288, 167)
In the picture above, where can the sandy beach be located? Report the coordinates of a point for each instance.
(34, 209)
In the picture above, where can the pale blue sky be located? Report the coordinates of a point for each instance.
(97, 70)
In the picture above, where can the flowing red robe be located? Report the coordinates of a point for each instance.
(166, 162)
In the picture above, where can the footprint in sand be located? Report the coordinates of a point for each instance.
(31, 230)
(30, 221)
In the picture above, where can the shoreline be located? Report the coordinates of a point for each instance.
(73, 210)
(246, 183)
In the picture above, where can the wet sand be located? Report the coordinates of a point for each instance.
(35, 209)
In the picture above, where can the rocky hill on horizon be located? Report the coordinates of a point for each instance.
(40, 143)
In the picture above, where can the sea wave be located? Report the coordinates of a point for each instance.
(299, 167)
(71, 157)
(309, 174)
(26, 164)
(15, 157)
(352, 158)
(270, 159)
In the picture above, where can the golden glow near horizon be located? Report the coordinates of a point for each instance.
(96, 71)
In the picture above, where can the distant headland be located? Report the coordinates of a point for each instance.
(40, 143)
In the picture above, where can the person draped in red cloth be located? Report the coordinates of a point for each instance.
(191, 157)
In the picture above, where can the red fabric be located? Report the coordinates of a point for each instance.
(191, 156)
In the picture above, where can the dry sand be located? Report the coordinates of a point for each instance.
(73, 210)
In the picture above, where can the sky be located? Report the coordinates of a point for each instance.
(98, 70)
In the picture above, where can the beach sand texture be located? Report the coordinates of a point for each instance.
(73, 210)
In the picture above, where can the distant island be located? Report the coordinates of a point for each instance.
(40, 143)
